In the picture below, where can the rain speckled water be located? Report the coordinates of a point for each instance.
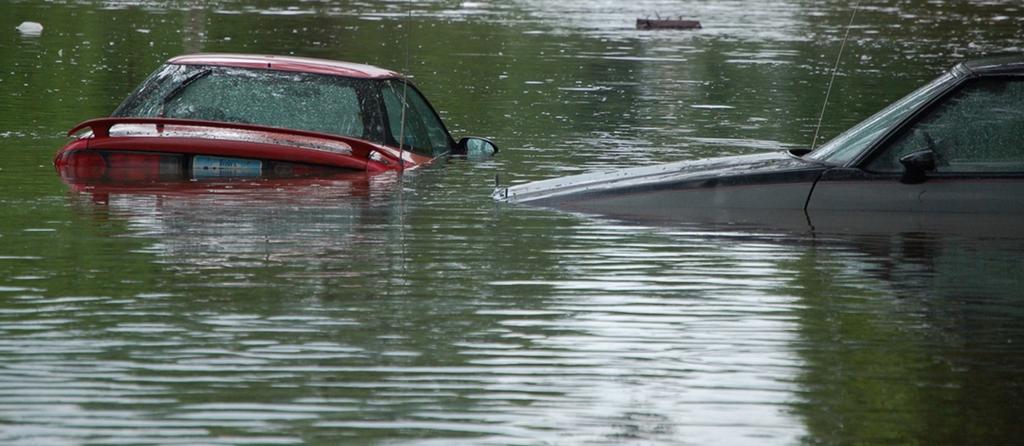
(413, 310)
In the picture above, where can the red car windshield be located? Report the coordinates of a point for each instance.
(360, 108)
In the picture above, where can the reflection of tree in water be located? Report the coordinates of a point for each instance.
(193, 37)
(911, 338)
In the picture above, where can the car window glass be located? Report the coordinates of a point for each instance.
(277, 99)
(851, 143)
(304, 101)
(144, 100)
(978, 128)
(421, 131)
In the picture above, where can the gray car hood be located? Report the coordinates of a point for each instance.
(651, 176)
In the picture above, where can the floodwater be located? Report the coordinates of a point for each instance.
(414, 310)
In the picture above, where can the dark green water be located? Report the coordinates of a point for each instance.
(414, 310)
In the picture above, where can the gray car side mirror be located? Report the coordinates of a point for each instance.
(916, 165)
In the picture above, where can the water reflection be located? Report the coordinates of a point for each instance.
(673, 341)
(922, 330)
(320, 323)
(224, 224)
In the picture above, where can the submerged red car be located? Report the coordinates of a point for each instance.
(237, 115)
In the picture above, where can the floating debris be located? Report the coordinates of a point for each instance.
(30, 29)
(660, 23)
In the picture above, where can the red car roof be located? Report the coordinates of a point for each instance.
(287, 63)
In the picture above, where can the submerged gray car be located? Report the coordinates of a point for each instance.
(955, 145)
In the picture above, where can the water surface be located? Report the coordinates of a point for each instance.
(413, 310)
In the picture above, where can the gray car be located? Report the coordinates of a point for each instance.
(955, 145)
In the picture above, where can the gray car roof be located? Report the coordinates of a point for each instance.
(1006, 64)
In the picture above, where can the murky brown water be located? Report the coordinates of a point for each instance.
(415, 310)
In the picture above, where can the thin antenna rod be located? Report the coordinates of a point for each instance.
(405, 86)
(835, 69)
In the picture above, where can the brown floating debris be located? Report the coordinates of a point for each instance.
(660, 23)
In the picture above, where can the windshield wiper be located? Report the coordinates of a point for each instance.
(181, 88)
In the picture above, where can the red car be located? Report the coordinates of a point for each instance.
(236, 115)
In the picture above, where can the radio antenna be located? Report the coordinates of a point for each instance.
(405, 87)
(835, 69)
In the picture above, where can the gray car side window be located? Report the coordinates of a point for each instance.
(977, 129)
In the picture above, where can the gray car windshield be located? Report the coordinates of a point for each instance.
(302, 101)
(851, 143)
